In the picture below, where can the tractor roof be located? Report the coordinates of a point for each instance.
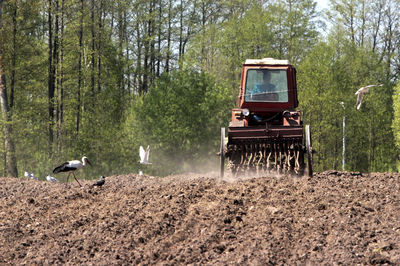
(266, 61)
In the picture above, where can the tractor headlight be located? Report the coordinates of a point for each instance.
(245, 112)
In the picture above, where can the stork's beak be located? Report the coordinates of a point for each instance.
(87, 160)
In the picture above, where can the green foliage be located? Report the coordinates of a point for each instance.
(180, 118)
(254, 30)
(326, 78)
(319, 101)
(396, 117)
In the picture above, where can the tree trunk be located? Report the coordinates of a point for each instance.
(146, 54)
(99, 47)
(127, 58)
(169, 36)
(51, 77)
(160, 21)
(377, 27)
(56, 78)
(78, 96)
(152, 43)
(11, 161)
(121, 39)
(14, 55)
(180, 34)
(363, 22)
(60, 88)
(138, 73)
(92, 74)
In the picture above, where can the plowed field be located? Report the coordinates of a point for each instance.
(331, 218)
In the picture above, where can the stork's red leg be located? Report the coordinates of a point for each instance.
(66, 184)
(76, 179)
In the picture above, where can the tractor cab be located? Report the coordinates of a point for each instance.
(266, 85)
(267, 89)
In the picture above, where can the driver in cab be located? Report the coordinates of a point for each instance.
(266, 86)
(265, 91)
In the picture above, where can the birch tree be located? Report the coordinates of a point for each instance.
(11, 161)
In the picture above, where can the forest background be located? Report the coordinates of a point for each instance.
(100, 78)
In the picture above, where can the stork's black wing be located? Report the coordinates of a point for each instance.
(63, 168)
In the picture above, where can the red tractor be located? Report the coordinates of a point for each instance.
(266, 131)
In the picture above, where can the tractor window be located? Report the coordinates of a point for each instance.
(266, 85)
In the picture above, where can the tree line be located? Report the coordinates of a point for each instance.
(100, 78)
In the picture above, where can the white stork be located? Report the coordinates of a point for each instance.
(360, 93)
(71, 167)
(144, 155)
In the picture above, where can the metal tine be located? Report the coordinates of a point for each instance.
(245, 165)
(297, 164)
(264, 156)
(289, 150)
(293, 157)
(268, 161)
(259, 166)
(287, 163)
(252, 157)
(249, 155)
(242, 154)
(275, 157)
(280, 159)
(253, 163)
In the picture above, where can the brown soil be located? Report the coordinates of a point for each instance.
(331, 218)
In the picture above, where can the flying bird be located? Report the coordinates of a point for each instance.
(144, 155)
(100, 182)
(362, 91)
(51, 179)
(71, 167)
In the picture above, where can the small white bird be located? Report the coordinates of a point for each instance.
(32, 176)
(360, 93)
(140, 172)
(144, 155)
(51, 179)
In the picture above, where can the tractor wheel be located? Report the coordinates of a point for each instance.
(309, 150)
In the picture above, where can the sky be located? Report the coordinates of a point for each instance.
(322, 4)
